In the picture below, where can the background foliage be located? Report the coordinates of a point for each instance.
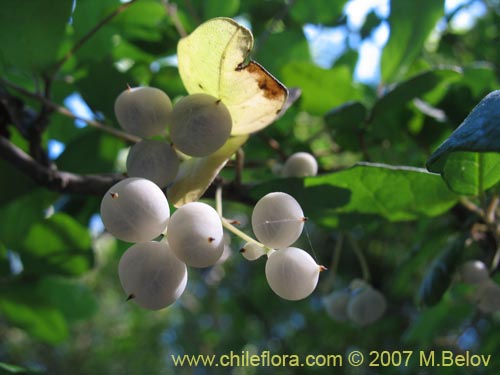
(62, 309)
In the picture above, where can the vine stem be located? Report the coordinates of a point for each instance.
(361, 258)
(230, 227)
(66, 112)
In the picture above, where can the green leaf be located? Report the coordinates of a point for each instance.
(322, 89)
(14, 369)
(411, 22)
(31, 32)
(196, 174)
(71, 298)
(22, 307)
(99, 150)
(438, 278)
(17, 217)
(58, 245)
(414, 87)
(324, 12)
(212, 59)
(217, 8)
(345, 123)
(141, 21)
(396, 193)
(465, 159)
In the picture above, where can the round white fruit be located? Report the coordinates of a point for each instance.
(151, 275)
(200, 125)
(474, 272)
(366, 306)
(292, 273)
(300, 164)
(252, 251)
(195, 234)
(143, 111)
(277, 220)
(336, 305)
(135, 210)
(154, 160)
(488, 295)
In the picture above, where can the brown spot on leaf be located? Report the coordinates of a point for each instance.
(200, 86)
(271, 87)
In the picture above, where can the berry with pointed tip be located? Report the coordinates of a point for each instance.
(277, 220)
(252, 251)
(201, 124)
(292, 273)
(153, 160)
(300, 164)
(195, 234)
(135, 210)
(143, 111)
(151, 275)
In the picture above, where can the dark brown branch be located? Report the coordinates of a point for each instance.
(60, 181)
(66, 112)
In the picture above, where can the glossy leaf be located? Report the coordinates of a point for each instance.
(408, 34)
(467, 159)
(438, 278)
(196, 174)
(396, 193)
(213, 60)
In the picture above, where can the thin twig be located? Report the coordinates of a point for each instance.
(90, 34)
(361, 258)
(490, 215)
(171, 10)
(471, 206)
(66, 112)
(55, 180)
(238, 171)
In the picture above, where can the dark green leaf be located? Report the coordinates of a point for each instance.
(14, 369)
(408, 34)
(58, 245)
(438, 278)
(24, 308)
(17, 217)
(464, 159)
(321, 89)
(70, 297)
(345, 122)
(99, 150)
(36, 50)
(324, 12)
(141, 20)
(217, 8)
(396, 193)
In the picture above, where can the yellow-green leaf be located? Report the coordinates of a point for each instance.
(196, 174)
(213, 60)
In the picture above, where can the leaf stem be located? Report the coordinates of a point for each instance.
(361, 258)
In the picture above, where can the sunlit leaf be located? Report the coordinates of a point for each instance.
(196, 174)
(467, 159)
(213, 60)
(411, 22)
(396, 193)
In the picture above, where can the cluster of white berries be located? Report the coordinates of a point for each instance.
(360, 303)
(153, 271)
(487, 294)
